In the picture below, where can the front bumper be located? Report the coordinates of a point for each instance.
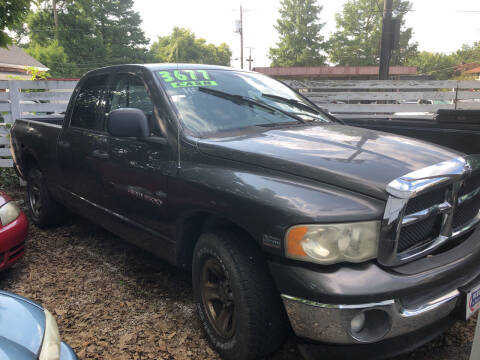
(331, 323)
(12, 241)
(386, 349)
(321, 302)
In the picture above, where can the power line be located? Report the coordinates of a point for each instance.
(93, 61)
(441, 69)
(370, 12)
(457, 11)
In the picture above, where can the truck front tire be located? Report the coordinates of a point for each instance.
(237, 303)
(44, 210)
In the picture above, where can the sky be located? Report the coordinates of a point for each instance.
(438, 25)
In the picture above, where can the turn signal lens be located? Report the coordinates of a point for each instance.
(333, 243)
(295, 236)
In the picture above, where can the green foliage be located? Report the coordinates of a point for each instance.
(442, 66)
(36, 74)
(119, 28)
(12, 12)
(468, 54)
(91, 34)
(356, 42)
(300, 41)
(53, 56)
(8, 177)
(437, 65)
(182, 46)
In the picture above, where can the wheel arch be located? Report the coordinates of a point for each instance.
(29, 161)
(196, 223)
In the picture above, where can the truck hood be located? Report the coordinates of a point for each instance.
(22, 325)
(361, 160)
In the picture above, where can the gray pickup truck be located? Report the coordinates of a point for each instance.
(364, 243)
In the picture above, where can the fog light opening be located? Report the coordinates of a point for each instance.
(370, 325)
(357, 323)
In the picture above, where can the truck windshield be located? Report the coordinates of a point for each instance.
(235, 100)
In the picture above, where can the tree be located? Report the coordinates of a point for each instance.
(119, 28)
(77, 37)
(301, 43)
(468, 53)
(91, 33)
(356, 42)
(183, 46)
(12, 12)
(53, 56)
(437, 65)
(443, 66)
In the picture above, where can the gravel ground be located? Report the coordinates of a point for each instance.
(114, 301)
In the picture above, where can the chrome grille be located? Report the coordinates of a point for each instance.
(418, 233)
(425, 201)
(429, 207)
(470, 185)
(466, 210)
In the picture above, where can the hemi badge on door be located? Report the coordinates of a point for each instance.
(271, 241)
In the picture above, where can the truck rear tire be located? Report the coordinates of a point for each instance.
(44, 210)
(239, 307)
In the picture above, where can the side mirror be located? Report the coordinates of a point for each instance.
(126, 122)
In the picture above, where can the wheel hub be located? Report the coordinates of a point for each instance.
(35, 198)
(217, 297)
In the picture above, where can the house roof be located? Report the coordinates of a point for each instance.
(333, 71)
(466, 67)
(18, 58)
(474, 71)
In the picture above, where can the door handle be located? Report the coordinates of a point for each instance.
(100, 154)
(64, 144)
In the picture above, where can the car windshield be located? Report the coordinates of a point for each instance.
(212, 101)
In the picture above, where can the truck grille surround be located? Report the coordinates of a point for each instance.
(429, 207)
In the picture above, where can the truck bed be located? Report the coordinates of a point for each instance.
(37, 136)
(49, 119)
(456, 129)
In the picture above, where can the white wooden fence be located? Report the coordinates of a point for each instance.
(25, 98)
(346, 98)
(390, 98)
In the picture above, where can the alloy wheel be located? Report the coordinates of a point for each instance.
(34, 197)
(217, 297)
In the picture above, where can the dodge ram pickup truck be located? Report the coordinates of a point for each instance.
(364, 243)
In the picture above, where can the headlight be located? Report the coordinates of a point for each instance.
(9, 212)
(333, 243)
(51, 340)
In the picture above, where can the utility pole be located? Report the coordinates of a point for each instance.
(239, 30)
(55, 17)
(250, 60)
(241, 37)
(386, 44)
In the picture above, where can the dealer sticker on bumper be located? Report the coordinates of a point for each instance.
(473, 301)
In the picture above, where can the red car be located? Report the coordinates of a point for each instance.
(13, 231)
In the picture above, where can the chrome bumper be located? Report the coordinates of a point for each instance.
(331, 323)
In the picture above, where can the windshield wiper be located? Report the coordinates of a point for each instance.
(240, 99)
(293, 102)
